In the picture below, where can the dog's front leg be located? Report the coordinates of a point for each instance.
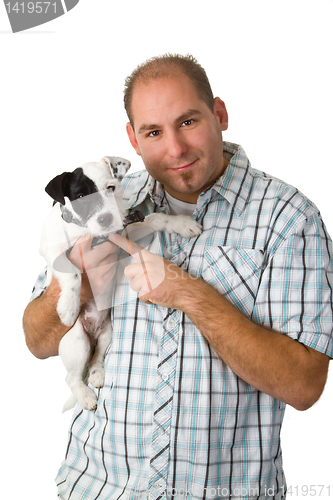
(75, 352)
(181, 224)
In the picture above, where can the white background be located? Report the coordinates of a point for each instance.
(61, 105)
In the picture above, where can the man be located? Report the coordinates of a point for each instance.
(209, 347)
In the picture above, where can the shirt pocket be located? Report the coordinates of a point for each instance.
(235, 272)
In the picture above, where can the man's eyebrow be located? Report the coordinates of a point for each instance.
(188, 114)
(145, 127)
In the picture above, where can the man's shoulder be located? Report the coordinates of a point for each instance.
(282, 208)
(287, 197)
(265, 191)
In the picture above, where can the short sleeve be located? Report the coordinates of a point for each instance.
(40, 285)
(295, 293)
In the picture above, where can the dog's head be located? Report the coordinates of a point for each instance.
(91, 195)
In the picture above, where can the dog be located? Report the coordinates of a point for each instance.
(89, 201)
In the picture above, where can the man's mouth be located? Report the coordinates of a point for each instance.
(184, 167)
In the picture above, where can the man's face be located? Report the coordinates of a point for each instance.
(178, 136)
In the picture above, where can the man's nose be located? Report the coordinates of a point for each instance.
(176, 145)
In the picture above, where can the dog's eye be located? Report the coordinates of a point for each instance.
(80, 195)
(111, 187)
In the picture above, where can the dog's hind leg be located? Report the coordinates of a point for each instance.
(96, 365)
(69, 300)
(75, 350)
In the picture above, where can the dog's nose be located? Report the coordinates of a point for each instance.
(105, 220)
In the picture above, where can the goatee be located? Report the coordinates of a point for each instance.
(186, 175)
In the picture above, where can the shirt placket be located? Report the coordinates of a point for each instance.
(163, 407)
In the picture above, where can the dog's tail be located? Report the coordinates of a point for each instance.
(70, 403)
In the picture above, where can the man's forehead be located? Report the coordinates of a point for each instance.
(163, 98)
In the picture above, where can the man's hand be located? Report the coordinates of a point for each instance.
(155, 279)
(97, 265)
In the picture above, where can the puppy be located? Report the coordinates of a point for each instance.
(89, 201)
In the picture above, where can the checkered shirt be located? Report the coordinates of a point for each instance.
(173, 421)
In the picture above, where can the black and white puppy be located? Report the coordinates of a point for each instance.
(89, 201)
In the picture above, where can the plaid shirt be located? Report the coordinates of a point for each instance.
(173, 421)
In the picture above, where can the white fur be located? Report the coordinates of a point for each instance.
(93, 327)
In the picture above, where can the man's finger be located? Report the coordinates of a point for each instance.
(99, 252)
(133, 270)
(85, 242)
(136, 251)
(129, 246)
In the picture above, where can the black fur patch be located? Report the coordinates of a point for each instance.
(77, 187)
(136, 216)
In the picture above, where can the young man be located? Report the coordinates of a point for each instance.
(209, 347)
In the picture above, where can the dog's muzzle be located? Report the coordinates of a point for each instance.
(136, 216)
(105, 220)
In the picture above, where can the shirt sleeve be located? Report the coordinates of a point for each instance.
(40, 285)
(295, 293)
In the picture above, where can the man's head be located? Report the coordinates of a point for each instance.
(165, 66)
(175, 124)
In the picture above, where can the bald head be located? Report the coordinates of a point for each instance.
(168, 65)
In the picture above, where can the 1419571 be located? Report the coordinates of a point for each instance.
(31, 7)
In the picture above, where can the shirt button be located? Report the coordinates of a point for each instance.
(171, 323)
(165, 376)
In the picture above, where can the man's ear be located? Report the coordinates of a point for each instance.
(132, 138)
(220, 111)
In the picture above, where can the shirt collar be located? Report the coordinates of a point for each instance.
(235, 183)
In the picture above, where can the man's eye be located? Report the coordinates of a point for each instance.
(154, 133)
(186, 123)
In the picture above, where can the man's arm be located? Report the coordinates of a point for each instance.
(270, 361)
(41, 323)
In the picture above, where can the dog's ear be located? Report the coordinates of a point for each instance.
(58, 186)
(118, 166)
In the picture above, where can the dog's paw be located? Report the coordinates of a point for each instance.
(180, 224)
(87, 399)
(193, 229)
(185, 226)
(96, 377)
